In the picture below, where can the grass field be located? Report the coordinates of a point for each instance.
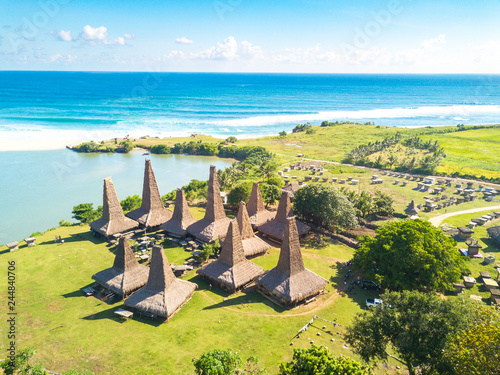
(473, 151)
(70, 330)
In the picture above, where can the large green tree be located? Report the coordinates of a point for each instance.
(414, 326)
(85, 213)
(131, 203)
(325, 206)
(410, 255)
(318, 360)
(240, 193)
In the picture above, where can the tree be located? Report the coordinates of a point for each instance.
(131, 203)
(325, 206)
(21, 364)
(318, 360)
(416, 326)
(160, 149)
(282, 133)
(126, 147)
(241, 192)
(85, 213)
(270, 194)
(231, 139)
(217, 362)
(410, 255)
(475, 351)
(384, 204)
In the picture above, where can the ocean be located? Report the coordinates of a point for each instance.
(39, 188)
(85, 106)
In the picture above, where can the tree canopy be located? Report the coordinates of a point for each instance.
(415, 325)
(410, 255)
(325, 206)
(318, 360)
(131, 203)
(85, 213)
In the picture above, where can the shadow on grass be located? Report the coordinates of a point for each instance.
(110, 315)
(79, 292)
(244, 300)
(76, 237)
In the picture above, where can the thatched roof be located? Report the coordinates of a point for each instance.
(181, 218)
(232, 270)
(494, 233)
(113, 220)
(164, 294)
(256, 210)
(126, 275)
(215, 223)
(252, 245)
(276, 227)
(412, 209)
(152, 213)
(290, 282)
(291, 189)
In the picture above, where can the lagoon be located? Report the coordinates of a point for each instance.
(40, 188)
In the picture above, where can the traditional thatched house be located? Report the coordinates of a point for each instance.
(256, 210)
(494, 233)
(164, 294)
(181, 219)
(215, 223)
(113, 221)
(252, 245)
(232, 270)
(291, 189)
(126, 275)
(152, 213)
(276, 227)
(290, 282)
(412, 209)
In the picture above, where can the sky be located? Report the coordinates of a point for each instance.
(317, 36)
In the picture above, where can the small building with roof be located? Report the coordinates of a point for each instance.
(412, 209)
(164, 294)
(231, 271)
(112, 221)
(290, 283)
(152, 212)
(275, 228)
(494, 233)
(256, 210)
(291, 188)
(252, 245)
(126, 275)
(181, 219)
(215, 223)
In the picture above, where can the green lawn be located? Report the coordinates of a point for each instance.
(70, 330)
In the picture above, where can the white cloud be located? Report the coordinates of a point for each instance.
(129, 36)
(434, 43)
(230, 50)
(184, 40)
(90, 33)
(65, 36)
(58, 58)
(120, 41)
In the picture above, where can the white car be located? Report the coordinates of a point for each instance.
(373, 302)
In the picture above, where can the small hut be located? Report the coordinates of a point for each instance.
(152, 212)
(275, 228)
(290, 283)
(126, 275)
(465, 232)
(232, 270)
(292, 188)
(256, 210)
(412, 209)
(164, 294)
(252, 245)
(113, 221)
(181, 219)
(215, 223)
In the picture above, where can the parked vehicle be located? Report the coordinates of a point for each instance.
(373, 302)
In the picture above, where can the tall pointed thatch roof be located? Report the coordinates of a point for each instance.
(164, 294)
(215, 223)
(181, 218)
(126, 275)
(252, 245)
(412, 209)
(276, 227)
(290, 282)
(232, 270)
(256, 210)
(152, 213)
(113, 220)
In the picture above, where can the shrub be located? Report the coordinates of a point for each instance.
(160, 149)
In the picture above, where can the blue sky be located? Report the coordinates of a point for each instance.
(356, 36)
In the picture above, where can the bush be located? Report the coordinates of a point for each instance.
(160, 149)
(231, 139)
(126, 147)
(282, 133)
(241, 192)
(64, 223)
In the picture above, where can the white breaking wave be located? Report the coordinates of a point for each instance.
(458, 111)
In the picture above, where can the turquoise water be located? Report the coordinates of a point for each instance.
(39, 188)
